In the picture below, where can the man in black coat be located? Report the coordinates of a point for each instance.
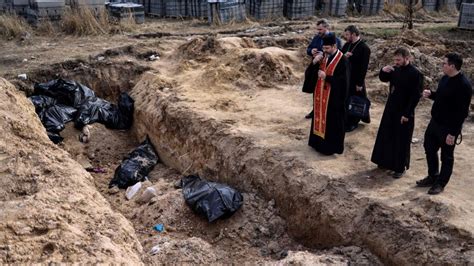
(450, 109)
(358, 53)
(392, 146)
(327, 125)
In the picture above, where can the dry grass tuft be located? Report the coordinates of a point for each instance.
(84, 21)
(12, 26)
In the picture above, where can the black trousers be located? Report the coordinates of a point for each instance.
(435, 139)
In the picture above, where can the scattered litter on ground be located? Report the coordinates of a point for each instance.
(132, 190)
(147, 195)
(97, 170)
(159, 227)
(154, 250)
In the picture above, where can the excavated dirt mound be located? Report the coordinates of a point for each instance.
(50, 208)
(200, 48)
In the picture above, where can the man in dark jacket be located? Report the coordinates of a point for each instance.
(314, 49)
(392, 146)
(358, 53)
(450, 108)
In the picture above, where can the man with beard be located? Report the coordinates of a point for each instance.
(392, 146)
(327, 125)
(358, 53)
(450, 108)
(316, 48)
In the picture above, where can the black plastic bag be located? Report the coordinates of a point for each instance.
(135, 166)
(55, 137)
(97, 110)
(66, 92)
(212, 200)
(55, 117)
(94, 110)
(122, 117)
(41, 103)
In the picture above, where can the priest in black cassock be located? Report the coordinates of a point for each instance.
(392, 146)
(327, 124)
(358, 53)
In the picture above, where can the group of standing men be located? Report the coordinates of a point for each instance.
(337, 73)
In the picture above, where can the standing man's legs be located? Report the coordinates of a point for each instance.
(431, 145)
(447, 163)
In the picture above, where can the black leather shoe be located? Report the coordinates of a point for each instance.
(397, 175)
(310, 115)
(436, 189)
(366, 120)
(426, 182)
(352, 128)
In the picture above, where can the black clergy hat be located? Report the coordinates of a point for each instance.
(329, 39)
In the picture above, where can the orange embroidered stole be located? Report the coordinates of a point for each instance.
(321, 95)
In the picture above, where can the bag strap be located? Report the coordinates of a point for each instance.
(459, 139)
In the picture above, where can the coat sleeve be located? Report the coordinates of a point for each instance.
(414, 95)
(461, 108)
(312, 45)
(365, 57)
(338, 43)
(384, 76)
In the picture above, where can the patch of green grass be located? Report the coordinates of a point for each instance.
(383, 32)
(441, 28)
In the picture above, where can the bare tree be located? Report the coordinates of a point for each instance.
(412, 7)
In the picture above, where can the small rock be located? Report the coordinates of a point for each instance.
(415, 140)
(100, 58)
(22, 77)
(114, 190)
(25, 60)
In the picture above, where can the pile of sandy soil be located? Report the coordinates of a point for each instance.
(50, 209)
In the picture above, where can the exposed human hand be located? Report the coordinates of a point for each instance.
(359, 88)
(321, 74)
(403, 120)
(450, 139)
(317, 58)
(388, 69)
(426, 93)
(314, 51)
(348, 54)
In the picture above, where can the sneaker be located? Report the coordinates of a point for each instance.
(436, 189)
(426, 182)
(397, 175)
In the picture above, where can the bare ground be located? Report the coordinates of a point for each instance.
(240, 89)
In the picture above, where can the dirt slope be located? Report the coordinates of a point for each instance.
(51, 211)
